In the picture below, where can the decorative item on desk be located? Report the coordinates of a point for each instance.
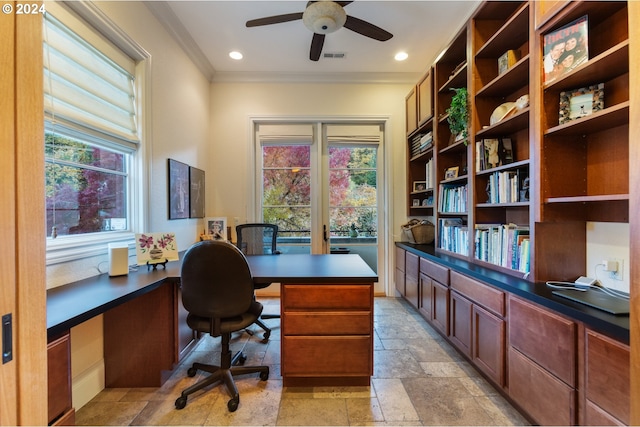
(566, 48)
(582, 102)
(508, 60)
(156, 248)
(216, 228)
(458, 115)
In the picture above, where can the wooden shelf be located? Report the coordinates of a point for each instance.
(518, 121)
(588, 199)
(605, 119)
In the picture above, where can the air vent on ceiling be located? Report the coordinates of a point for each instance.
(335, 55)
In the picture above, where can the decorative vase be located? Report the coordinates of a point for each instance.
(155, 253)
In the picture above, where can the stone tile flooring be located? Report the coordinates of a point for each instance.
(419, 379)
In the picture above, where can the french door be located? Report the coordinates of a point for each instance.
(319, 182)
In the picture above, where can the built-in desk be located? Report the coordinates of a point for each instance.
(145, 332)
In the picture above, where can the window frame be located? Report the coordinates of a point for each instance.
(87, 19)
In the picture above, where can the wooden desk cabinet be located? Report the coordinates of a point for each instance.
(327, 334)
(60, 409)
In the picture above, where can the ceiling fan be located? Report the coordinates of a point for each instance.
(324, 17)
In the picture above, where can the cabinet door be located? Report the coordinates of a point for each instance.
(440, 312)
(59, 377)
(488, 350)
(544, 397)
(425, 98)
(411, 105)
(411, 279)
(607, 364)
(400, 277)
(460, 326)
(426, 296)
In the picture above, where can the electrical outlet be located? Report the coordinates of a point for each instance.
(616, 274)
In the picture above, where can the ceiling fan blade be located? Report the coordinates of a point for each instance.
(367, 29)
(316, 46)
(274, 19)
(344, 3)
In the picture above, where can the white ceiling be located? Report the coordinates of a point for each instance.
(209, 30)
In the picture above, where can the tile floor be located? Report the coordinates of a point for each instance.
(418, 380)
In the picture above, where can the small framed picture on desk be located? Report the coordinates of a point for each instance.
(216, 228)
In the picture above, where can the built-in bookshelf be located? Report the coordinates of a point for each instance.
(522, 167)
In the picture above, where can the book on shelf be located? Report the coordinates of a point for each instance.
(505, 245)
(429, 174)
(453, 198)
(505, 186)
(453, 235)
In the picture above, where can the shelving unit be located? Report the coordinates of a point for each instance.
(584, 164)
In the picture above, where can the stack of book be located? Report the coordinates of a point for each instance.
(506, 245)
(421, 143)
(453, 198)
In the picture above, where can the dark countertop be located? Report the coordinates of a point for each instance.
(608, 324)
(74, 303)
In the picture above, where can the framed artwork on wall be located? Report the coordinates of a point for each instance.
(178, 190)
(196, 192)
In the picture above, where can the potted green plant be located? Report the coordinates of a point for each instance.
(459, 114)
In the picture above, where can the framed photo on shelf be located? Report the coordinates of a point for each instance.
(451, 173)
(196, 192)
(582, 102)
(216, 228)
(179, 207)
(416, 203)
(419, 186)
(566, 48)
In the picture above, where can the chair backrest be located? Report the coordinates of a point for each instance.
(216, 280)
(257, 238)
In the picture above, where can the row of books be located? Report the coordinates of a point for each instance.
(506, 245)
(493, 152)
(454, 235)
(505, 187)
(453, 198)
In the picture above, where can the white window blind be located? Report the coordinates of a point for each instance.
(83, 87)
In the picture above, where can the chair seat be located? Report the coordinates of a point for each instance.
(229, 324)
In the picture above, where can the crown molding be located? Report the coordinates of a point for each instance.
(291, 77)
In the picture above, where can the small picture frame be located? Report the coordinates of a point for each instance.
(451, 173)
(216, 228)
(419, 186)
(578, 103)
(416, 203)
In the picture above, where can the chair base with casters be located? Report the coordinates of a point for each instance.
(224, 373)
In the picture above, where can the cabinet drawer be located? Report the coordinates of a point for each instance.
(544, 337)
(327, 297)
(481, 294)
(340, 323)
(548, 400)
(435, 271)
(327, 356)
(607, 376)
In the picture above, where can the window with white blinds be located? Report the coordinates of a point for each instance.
(84, 87)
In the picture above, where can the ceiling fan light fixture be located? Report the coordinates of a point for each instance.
(324, 17)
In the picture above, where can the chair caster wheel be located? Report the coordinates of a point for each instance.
(240, 360)
(181, 402)
(266, 335)
(233, 404)
(264, 375)
(192, 373)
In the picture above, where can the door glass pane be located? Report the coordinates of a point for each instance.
(286, 185)
(353, 201)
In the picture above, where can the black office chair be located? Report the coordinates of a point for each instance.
(217, 291)
(259, 239)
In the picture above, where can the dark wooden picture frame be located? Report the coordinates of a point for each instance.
(178, 190)
(196, 192)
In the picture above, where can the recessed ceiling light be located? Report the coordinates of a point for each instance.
(235, 55)
(401, 56)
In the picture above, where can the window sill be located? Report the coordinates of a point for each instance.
(71, 248)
